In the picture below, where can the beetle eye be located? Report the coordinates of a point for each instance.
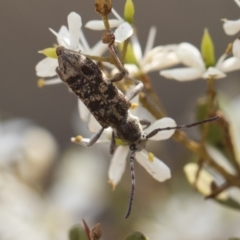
(132, 147)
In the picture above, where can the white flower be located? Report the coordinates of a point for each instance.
(208, 176)
(231, 111)
(71, 38)
(195, 68)
(183, 217)
(156, 168)
(153, 58)
(123, 29)
(23, 154)
(204, 180)
(232, 27)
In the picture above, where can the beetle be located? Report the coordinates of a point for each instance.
(108, 104)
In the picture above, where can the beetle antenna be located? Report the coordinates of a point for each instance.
(155, 131)
(131, 158)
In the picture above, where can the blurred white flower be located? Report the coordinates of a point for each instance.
(204, 180)
(153, 58)
(207, 176)
(71, 38)
(26, 153)
(187, 217)
(123, 29)
(232, 27)
(79, 180)
(26, 150)
(195, 68)
(232, 113)
(24, 214)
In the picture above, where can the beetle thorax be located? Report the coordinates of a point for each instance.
(129, 129)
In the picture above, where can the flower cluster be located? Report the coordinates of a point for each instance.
(197, 64)
(153, 59)
(232, 27)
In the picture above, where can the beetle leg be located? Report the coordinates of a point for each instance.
(95, 137)
(137, 89)
(145, 123)
(123, 72)
(113, 143)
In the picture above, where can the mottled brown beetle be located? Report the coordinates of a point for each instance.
(107, 103)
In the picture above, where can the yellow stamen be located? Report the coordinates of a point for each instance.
(78, 139)
(150, 157)
(40, 82)
(134, 106)
(112, 184)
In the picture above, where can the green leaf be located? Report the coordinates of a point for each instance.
(135, 236)
(129, 11)
(77, 233)
(207, 49)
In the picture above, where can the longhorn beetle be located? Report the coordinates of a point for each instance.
(107, 103)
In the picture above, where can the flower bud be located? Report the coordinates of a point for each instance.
(103, 7)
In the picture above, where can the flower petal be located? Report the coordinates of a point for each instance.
(64, 36)
(156, 168)
(136, 47)
(83, 111)
(93, 124)
(236, 48)
(159, 57)
(160, 61)
(99, 25)
(98, 49)
(123, 32)
(52, 81)
(213, 72)
(150, 40)
(46, 67)
(117, 165)
(162, 123)
(74, 26)
(182, 74)
(84, 141)
(231, 27)
(190, 56)
(62, 40)
(231, 64)
(237, 2)
(114, 12)
(220, 159)
(204, 182)
(83, 43)
(131, 68)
